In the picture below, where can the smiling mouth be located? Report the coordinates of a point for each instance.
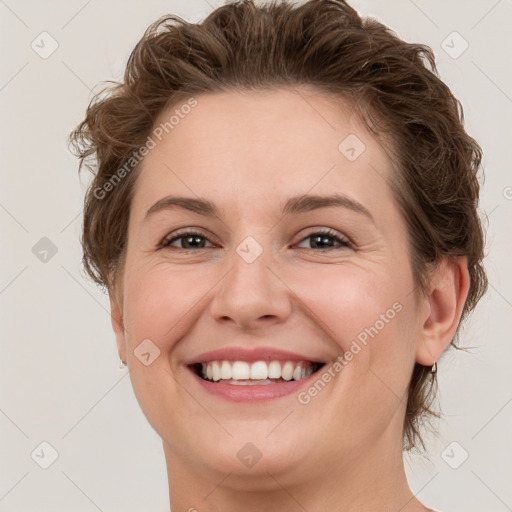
(243, 373)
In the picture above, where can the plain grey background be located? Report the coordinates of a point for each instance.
(60, 380)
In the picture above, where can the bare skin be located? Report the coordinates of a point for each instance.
(249, 153)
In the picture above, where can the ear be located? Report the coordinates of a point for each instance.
(449, 287)
(116, 317)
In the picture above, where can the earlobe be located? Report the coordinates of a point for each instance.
(116, 317)
(448, 293)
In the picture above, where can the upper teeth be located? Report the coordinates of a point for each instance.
(259, 370)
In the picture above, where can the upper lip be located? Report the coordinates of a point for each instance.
(251, 354)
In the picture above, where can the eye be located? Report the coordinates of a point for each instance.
(323, 237)
(190, 240)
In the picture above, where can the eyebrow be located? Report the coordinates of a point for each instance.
(293, 206)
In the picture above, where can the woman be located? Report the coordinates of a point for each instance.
(284, 214)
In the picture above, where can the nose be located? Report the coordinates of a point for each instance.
(252, 295)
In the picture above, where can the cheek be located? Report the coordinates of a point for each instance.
(348, 301)
(370, 318)
(161, 304)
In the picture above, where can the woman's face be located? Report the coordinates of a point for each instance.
(260, 280)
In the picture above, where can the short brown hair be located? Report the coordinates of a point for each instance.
(392, 85)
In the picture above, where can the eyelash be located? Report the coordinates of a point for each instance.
(344, 242)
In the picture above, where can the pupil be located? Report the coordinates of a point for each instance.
(322, 239)
(192, 241)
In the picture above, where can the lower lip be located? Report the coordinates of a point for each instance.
(253, 392)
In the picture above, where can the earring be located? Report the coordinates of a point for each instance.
(123, 364)
(433, 370)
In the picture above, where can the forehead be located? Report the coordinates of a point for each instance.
(259, 145)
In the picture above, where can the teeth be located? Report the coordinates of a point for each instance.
(274, 370)
(259, 372)
(287, 371)
(250, 382)
(216, 370)
(225, 370)
(240, 370)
